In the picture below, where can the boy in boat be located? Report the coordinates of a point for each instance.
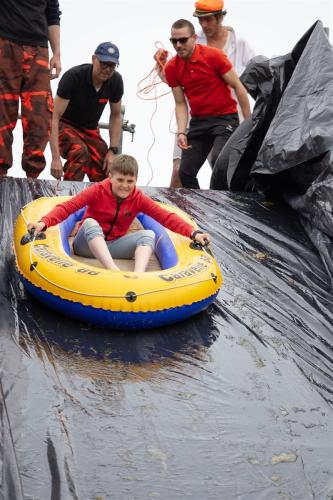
(111, 205)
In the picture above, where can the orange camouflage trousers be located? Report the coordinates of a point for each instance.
(84, 151)
(24, 75)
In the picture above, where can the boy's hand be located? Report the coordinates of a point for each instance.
(36, 227)
(202, 238)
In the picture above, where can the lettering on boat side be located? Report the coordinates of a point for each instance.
(89, 272)
(189, 271)
(46, 253)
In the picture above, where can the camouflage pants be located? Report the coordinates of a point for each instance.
(84, 151)
(24, 74)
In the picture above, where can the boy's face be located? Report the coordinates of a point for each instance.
(122, 185)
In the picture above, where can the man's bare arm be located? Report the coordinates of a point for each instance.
(115, 127)
(231, 78)
(181, 116)
(55, 62)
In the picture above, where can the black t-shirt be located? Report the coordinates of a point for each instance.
(26, 21)
(86, 104)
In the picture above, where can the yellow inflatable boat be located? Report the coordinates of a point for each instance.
(186, 280)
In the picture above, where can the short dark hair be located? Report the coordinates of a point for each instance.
(183, 23)
(125, 165)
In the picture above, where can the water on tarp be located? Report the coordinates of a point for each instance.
(235, 402)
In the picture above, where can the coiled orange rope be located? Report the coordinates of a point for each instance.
(153, 79)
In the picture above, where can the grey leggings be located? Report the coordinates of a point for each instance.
(121, 248)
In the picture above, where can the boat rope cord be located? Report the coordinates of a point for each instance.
(152, 144)
(33, 267)
(205, 248)
(145, 86)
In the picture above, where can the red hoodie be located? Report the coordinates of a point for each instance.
(115, 215)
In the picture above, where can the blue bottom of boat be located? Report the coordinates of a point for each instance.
(117, 319)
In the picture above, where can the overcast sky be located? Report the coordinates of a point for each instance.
(272, 27)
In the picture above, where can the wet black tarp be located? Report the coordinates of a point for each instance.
(285, 149)
(233, 403)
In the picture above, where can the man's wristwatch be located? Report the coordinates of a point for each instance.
(114, 149)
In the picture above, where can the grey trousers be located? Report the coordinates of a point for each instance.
(121, 248)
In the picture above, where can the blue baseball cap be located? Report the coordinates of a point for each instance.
(107, 52)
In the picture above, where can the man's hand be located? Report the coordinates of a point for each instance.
(56, 169)
(161, 57)
(109, 157)
(182, 141)
(36, 227)
(55, 67)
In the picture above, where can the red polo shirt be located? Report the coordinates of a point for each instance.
(202, 82)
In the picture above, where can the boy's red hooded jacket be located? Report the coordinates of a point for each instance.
(115, 215)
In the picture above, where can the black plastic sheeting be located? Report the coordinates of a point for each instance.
(233, 403)
(285, 149)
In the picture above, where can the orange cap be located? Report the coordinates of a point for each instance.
(208, 7)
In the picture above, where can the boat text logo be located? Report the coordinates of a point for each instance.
(188, 271)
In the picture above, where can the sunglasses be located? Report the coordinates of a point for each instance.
(109, 65)
(181, 40)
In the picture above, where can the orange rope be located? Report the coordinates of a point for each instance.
(151, 81)
(145, 87)
(152, 144)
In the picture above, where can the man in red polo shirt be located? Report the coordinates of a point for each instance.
(205, 76)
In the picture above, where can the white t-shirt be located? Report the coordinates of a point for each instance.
(236, 49)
